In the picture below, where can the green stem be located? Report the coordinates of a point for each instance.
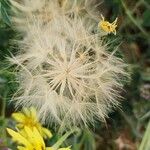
(145, 145)
(63, 138)
(147, 115)
(131, 124)
(129, 14)
(3, 105)
(3, 110)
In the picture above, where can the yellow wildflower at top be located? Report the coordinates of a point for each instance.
(28, 117)
(31, 139)
(107, 26)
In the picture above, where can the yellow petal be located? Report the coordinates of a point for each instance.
(18, 138)
(19, 117)
(114, 23)
(35, 138)
(107, 26)
(20, 125)
(33, 113)
(39, 139)
(37, 135)
(46, 133)
(27, 112)
(23, 133)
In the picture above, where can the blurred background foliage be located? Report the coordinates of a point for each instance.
(127, 128)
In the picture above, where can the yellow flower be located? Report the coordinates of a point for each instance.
(107, 26)
(30, 140)
(28, 117)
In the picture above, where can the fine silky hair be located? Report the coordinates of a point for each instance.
(64, 67)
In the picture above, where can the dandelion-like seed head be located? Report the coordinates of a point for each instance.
(66, 71)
